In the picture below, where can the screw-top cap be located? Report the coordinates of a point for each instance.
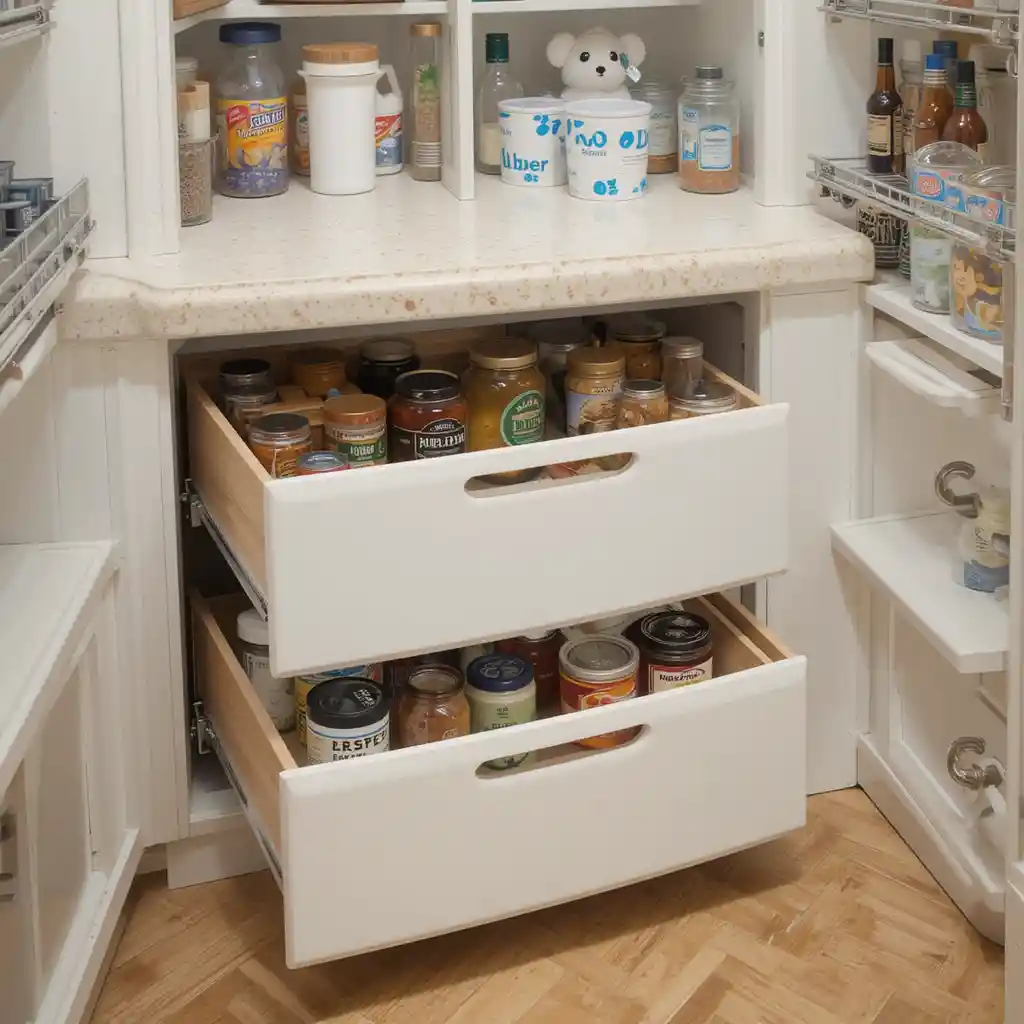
(708, 72)
(347, 703)
(496, 47)
(965, 72)
(428, 386)
(885, 50)
(252, 628)
(340, 53)
(935, 62)
(503, 354)
(425, 28)
(499, 673)
(250, 33)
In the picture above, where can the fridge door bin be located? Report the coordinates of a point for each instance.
(717, 767)
(701, 506)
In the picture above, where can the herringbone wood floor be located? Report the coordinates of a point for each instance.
(837, 924)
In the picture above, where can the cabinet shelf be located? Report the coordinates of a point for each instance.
(850, 177)
(24, 23)
(1000, 27)
(909, 558)
(248, 10)
(534, 6)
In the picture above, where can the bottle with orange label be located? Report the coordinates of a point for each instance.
(252, 113)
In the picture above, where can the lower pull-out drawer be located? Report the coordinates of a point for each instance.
(386, 849)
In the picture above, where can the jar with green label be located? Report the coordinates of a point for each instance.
(501, 692)
(505, 392)
(355, 427)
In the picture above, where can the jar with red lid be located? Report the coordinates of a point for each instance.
(426, 416)
(540, 650)
(675, 650)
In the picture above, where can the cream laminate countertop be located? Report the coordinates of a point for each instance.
(411, 251)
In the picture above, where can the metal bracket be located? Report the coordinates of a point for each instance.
(967, 505)
(976, 776)
(198, 515)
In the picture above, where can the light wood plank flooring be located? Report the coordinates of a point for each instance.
(837, 924)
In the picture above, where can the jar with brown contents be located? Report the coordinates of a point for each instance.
(709, 133)
(642, 402)
(278, 440)
(592, 388)
(433, 706)
(683, 363)
(355, 428)
(319, 370)
(702, 398)
(640, 338)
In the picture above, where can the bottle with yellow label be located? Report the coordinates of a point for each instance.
(252, 113)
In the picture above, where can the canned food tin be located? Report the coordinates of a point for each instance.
(346, 718)
(600, 669)
(675, 650)
(319, 462)
(303, 684)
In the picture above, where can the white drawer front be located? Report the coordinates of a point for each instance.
(390, 849)
(403, 559)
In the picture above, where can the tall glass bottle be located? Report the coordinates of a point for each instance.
(885, 117)
(425, 150)
(911, 82)
(965, 124)
(498, 84)
(935, 107)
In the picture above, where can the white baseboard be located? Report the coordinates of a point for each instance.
(215, 855)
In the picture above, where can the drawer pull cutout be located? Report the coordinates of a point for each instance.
(559, 754)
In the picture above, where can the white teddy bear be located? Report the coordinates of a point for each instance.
(592, 63)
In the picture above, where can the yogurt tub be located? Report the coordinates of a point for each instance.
(533, 141)
(607, 142)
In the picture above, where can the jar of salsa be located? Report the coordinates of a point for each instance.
(278, 440)
(640, 338)
(318, 370)
(355, 427)
(382, 362)
(433, 706)
(427, 416)
(540, 649)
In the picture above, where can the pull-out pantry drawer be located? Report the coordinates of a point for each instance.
(400, 559)
(447, 844)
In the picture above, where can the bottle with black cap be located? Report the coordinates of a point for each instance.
(885, 117)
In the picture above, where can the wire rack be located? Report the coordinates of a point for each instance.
(20, 23)
(849, 178)
(994, 21)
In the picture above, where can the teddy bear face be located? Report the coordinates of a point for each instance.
(592, 63)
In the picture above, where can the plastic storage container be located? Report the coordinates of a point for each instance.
(606, 146)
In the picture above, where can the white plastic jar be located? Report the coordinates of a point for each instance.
(276, 695)
(341, 90)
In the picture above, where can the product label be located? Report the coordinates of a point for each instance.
(276, 695)
(689, 134)
(668, 677)
(522, 421)
(977, 293)
(359, 446)
(591, 414)
(714, 148)
(578, 695)
(930, 254)
(881, 134)
(303, 684)
(663, 132)
(300, 144)
(389, 140)
(485, 716)
(439, 437)
(426, 104)
(324, 744)
(254, 145)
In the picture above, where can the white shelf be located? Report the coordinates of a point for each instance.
(47, 593)
(890, 294)
(534, 6)
(248, 10)
(24, 23)
(910, 559)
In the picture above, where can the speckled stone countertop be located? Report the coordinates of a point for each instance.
(411, 251)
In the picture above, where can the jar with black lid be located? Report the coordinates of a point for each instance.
(675, 650)
(426, 416)
(278, 439)
(346, 718)
(381, 362)
(245, 384)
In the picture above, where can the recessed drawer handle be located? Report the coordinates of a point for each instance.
(609, 466)
(549, 757)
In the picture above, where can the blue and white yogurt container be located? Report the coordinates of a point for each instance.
(607, 142)
(532, 141)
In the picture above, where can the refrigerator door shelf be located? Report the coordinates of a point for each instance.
(398, 560)
(449, 844)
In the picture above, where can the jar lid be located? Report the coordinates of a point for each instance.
(635, 327)
(340, 53)
(279, 424)
(708, 72)
(674, 633)
(539, 634)
(244, 368)
(682, 348)
(186, 63)
(641, 388)
(499, 673)
(329, 357)
(606, 361)
(320, 462)
(357, 407)
(387, 350)
(504, 354)
(425, 28)
(250, 33)
(601, 657)
(252, 628)
(435, 680)
(705, 394)
(428, 386)
(346, 703)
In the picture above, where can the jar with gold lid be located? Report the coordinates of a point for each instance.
(593, 384)
(505, 392)
(702, 398)
(355, 428)
(318, 370)
(278, 440)
(640, 337)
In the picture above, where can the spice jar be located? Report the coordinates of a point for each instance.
(640, 338)
(319, 370)
(298, 135)
(355, 427)
(238, 376)
(346, 718)
(276, 695)
(314, 463)
(501, 692)
(505, 392)
(305, 684)
(598, 670)
(540, 649)
(195, 181)
(709, 133)
(382, 362)
(427, 416)
(682, 364)
(433, 706)
(278, 440)
(642, 401)
(675, 650)
(592, 387)
(701, 399)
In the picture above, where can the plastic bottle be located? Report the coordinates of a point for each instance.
(389, 124)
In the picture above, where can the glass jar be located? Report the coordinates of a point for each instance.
(382, 362)
(663, 154)
(640, 338)
(245, 376)
(425, 151)
(930, 255)
(675, 650)
(278, 440)
(276, 695)
(427, 416)
(642, 402)
(195, 181)
(318, 370)
(709, 133)
(252, 113)
(355, 427)
(598, 670)
(703, 398)
(505, 391)
(540, 649)
(593, 384)
(501, 692)
(682, 364)
(433, 706)
(315, 463)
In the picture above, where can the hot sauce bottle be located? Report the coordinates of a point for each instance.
(965, 124)
(885, 117)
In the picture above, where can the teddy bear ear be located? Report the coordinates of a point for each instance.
(634, 48)
(559, 49)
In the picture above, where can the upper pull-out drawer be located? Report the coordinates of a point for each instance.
(718, 766)
(400, 559)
